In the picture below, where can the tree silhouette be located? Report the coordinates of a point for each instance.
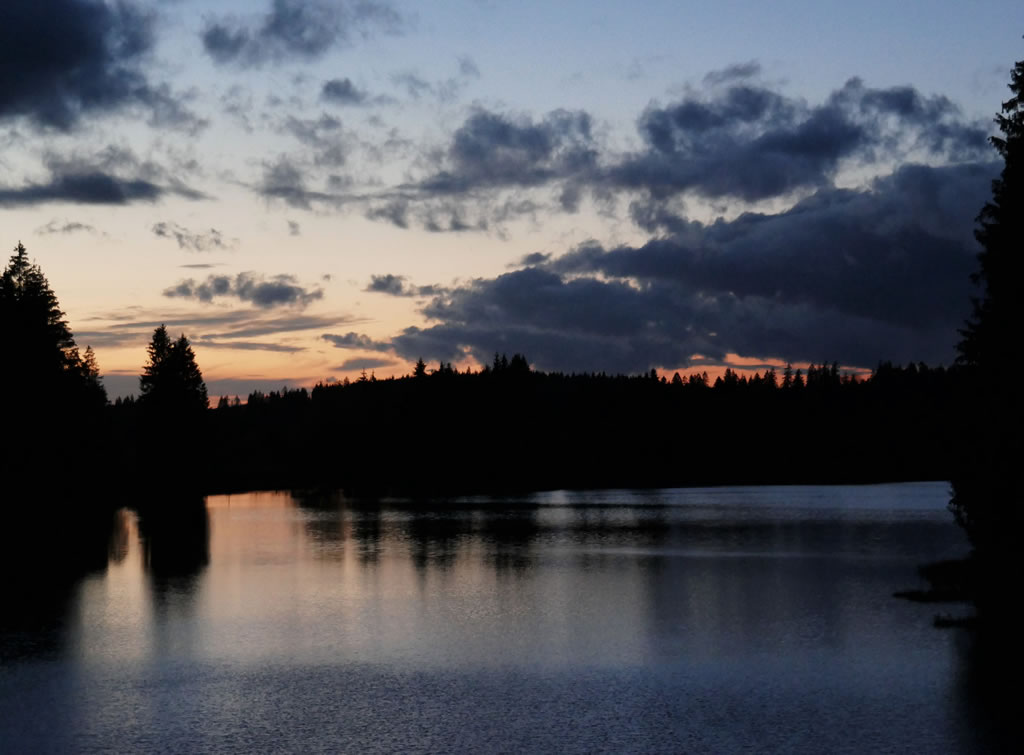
(34, 336)
(152, 374)
(986, 489)
(171, 379)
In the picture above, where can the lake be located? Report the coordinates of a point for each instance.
(712, 620)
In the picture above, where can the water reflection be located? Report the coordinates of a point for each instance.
(724, 618)
(175, 541)
(43, 559)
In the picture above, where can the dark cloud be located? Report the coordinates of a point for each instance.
(113, 176)
(343, 92)
(387, 284)
(737, 138)
(202, 265)
(397, 285)
(279, 291)
(297, 30)
(168, 110)
(65, 227)
(749, 142)
(324, 135)
(353, 340)
(193, 241)
(394, 211)
(468, 68)
(64, 59)
(853, 276)
(93, 187)
(735, 72)
(285, 180)
(294, 229)
(364, 363)
(535, 258)
(489, 158)
(492, 150)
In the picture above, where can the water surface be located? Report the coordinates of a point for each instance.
(675, 620)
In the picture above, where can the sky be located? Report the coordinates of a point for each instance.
(312, 188)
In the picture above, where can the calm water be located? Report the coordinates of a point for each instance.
(677, 620)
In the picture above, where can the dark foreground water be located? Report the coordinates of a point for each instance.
(713, 620)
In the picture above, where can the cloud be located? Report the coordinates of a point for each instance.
(279, 291)
(396, 285)
(254, 328)
(853, 276)
(343, 92)
(279, 348)
(444, 91)
(364, 363)
(353, 340)
(191, 240)
(65, 59)
(294, 229)
(324, 135)
(492, 150)
(65, 227)
(112, 176)
(468, 67)
(133, 326)
(748, 142)
(169, 111)
(534, 258)
(734, 72)
(733, 139)
(417, 88)
(93, 187)
(302, 30)
(489, 159)
(285, 180)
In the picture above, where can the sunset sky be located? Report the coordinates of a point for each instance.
(310, 188)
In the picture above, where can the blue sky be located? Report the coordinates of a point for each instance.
(309, 188)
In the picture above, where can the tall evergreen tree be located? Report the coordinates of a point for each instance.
(989, 342)
(34, 336)
(159, 349)
(50, 429)
(188, 377)
(171, 379)
(988, 500)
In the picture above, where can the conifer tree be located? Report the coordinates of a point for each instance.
(34, 336)
(989, 341)
(171, 379)
(988, 500)
(159, 349)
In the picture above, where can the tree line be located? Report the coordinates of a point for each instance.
(507, 427)
(502, 427)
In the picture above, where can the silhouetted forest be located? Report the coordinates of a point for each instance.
(505, 427)
(510, 428)
(54, 402)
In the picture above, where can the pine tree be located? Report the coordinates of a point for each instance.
(34, 335)
(159, 349)
(172, 380)
(988, 500)
(988, 340)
